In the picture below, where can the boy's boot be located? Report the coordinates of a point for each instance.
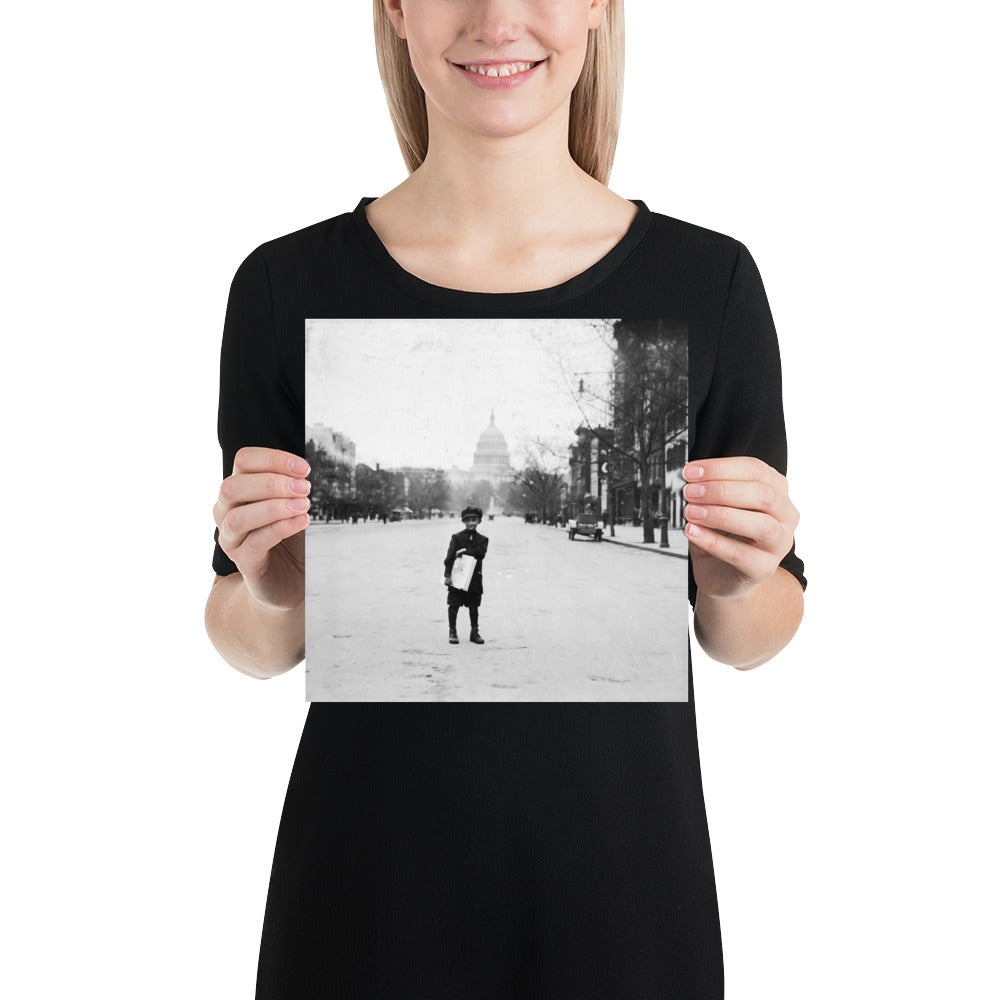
(452, 624)
(474, 635)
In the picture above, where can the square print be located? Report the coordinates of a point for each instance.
(497, 511)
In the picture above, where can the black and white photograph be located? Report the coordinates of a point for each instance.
(496, 510)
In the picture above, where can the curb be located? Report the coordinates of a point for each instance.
(644, 547)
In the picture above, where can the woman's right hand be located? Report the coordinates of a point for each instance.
(261, 514)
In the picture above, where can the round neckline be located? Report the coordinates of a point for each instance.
(443, 295)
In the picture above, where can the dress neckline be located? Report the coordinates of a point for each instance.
(489, 301)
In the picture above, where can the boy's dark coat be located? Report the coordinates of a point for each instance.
(474, 544)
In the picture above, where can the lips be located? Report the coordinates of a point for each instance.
(497, 75)
(508, 68)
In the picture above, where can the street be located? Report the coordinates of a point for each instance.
(563, 621)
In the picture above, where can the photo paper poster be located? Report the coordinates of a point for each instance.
(546, 456)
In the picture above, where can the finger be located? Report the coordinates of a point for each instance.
(751, 561)
(252, 553)
(240, 521)
(736, 493)
(762, 530)
(747, 496)
(743, 468)
(243, 487)
(757, 496)
(269, 460)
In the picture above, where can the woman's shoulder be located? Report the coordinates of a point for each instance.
(699, 242)
(304, 243)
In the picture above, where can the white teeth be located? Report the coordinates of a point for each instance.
(507, 69)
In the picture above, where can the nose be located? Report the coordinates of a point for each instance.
(497, 22)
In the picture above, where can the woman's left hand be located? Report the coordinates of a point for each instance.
(740, 523)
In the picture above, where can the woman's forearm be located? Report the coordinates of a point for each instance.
(747, 631)
(257, 641)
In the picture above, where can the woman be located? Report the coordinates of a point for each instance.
(492, 850)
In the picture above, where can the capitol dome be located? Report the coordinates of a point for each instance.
(491, 459)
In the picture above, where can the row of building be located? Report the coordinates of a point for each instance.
(602, 473)
(490, 459)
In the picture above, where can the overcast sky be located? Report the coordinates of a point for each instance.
(419, 391)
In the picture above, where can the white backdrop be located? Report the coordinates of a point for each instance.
(847, 781)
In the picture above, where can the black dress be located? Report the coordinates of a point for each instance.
(471, 851)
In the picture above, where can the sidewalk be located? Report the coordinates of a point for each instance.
(627, 534)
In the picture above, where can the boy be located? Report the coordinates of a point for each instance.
(466, 542)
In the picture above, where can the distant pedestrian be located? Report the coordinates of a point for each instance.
(467, 542)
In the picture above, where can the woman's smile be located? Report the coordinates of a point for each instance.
(499, 75)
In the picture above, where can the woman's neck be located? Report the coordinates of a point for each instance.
(476, 181)
(473, 198)
(479, 185)
(489, 215)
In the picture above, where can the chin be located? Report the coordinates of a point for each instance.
(499, 122)
(508, 122)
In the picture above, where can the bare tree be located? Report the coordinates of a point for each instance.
(379, 489)
(330, 478)
(540, 482)
(429, 489)
(643, 399)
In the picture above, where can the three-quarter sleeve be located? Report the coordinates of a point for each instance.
(743, 413)
(257, 406)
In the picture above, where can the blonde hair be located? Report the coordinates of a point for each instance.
(595, 106)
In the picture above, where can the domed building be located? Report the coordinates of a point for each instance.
(491, 459)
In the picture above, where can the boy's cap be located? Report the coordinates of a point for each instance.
(472, 511)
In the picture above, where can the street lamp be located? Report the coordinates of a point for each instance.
(665, 522)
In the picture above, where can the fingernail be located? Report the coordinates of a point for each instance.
(299, 485)
(693, 511)
(300, 503)
(695, 491)
(298, 466)
(694, 531)
(694, 472)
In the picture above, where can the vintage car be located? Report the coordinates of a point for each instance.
(395, 515)
(588, 525)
